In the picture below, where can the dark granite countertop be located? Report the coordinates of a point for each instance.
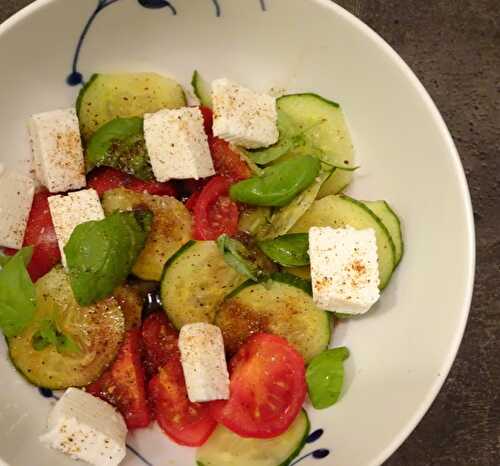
(454, 48)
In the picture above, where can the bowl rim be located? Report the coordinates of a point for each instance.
(431, 106)
(449, 358)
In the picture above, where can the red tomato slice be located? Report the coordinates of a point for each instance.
(41, 235)
(151, 187)
(193, 199)
(214, 213)
(186, 423)
(268, 388)
(123, 384)
(160, 342)
(208, 119)
(104, 179)
(227, 162)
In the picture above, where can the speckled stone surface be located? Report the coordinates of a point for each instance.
(454, 48)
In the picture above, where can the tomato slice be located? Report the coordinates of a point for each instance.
(186, 423)
(208, 119)
(214, 212)
(123, 384)
(151, 187)
(103, 179)
(268, 388)
(191, 202)
(227, 162)
(160, 342)
(41, 235)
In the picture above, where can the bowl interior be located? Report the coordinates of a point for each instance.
(402, 350)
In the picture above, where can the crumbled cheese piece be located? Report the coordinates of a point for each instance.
(344, 269)
(86, 428)
(204, 362)
(16, 197)
(57, 150)
(69, 211)
(177, 144)
(242, 116)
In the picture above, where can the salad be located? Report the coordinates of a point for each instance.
(186, 264)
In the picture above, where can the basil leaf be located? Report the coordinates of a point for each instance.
(45, 336)
(66, 344)
(278, 184)
(235, 254)
(17, 294)
(291, 137)
(101, 254)
(40, 341)
(288, 250)
(120, 144)
(325, 377)
(49, 334)
(282, 147)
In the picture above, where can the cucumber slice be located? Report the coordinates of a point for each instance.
(283, 218)
(170, 230)
(281, 306)
(195, 282)
(253, 219)
(323, 128)
(108, 96)
(98, 331)
(340, 211)
(225, 448)
(389, 218)
(201, 89)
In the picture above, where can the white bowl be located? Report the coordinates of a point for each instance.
(403, 350)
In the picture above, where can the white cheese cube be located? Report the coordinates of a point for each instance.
(242, 116)
(177, 144)
(57, 150)
(69, 211)
(16, 197)
(344, 269)
(204, 362)
(86, 428)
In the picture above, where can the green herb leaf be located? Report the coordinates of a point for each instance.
(325, 377)
(39, 341)
(120, 144)
(66, 344)
(17, 294)
(279, 184)
(288, 250)
(101, 254)
(291, 137)
(236, 254)
(45, 336)
(49, 334)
